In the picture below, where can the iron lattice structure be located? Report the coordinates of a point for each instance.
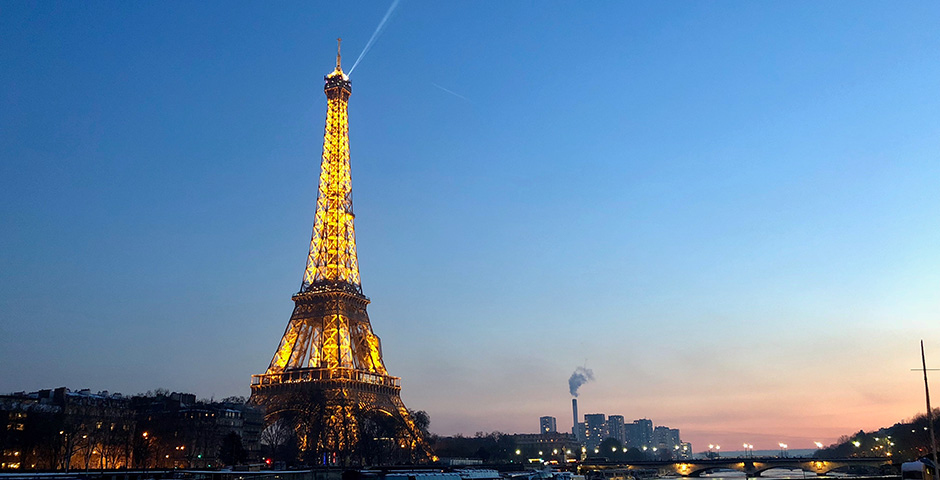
(327, 377)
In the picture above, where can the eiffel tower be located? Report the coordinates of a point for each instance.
(327, 378)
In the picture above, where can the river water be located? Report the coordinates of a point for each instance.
(774, 474)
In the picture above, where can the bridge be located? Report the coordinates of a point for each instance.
(752, 467)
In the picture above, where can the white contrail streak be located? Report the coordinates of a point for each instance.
(451, 92)
(375, 35)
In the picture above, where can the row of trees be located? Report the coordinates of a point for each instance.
(904, 441)
(62, 430)
(494, 447)
(612, 449)
(59, 437)
(322, 434)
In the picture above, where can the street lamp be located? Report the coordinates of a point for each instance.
(147, 450)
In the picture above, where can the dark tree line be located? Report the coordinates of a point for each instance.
(904, 441)
(337, 433)
(493, 447)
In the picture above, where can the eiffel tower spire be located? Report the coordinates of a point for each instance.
(339, 43)
(327, 376)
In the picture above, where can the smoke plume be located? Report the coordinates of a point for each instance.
(580, 376)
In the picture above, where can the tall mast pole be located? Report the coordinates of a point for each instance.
(339, 42)
(933, 439)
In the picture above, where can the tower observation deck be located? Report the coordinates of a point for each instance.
(327, 380)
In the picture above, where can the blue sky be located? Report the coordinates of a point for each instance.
(728, 210)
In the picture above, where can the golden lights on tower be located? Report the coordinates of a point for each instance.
(340, 340)
(332, 256)
(328, 367)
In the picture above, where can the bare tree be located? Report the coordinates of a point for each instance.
(277, 436)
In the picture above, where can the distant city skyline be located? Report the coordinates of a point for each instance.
(726, 210)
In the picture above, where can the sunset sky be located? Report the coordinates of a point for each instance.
(729, 211)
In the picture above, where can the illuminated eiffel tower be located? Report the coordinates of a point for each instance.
(327, 378)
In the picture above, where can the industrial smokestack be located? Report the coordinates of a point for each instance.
(574, 412)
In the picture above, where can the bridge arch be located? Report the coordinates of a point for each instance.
(752, 467)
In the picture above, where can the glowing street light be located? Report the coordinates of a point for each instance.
(818, 444)
(714, 450)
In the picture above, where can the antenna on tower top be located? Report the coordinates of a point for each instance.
(339, 42)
